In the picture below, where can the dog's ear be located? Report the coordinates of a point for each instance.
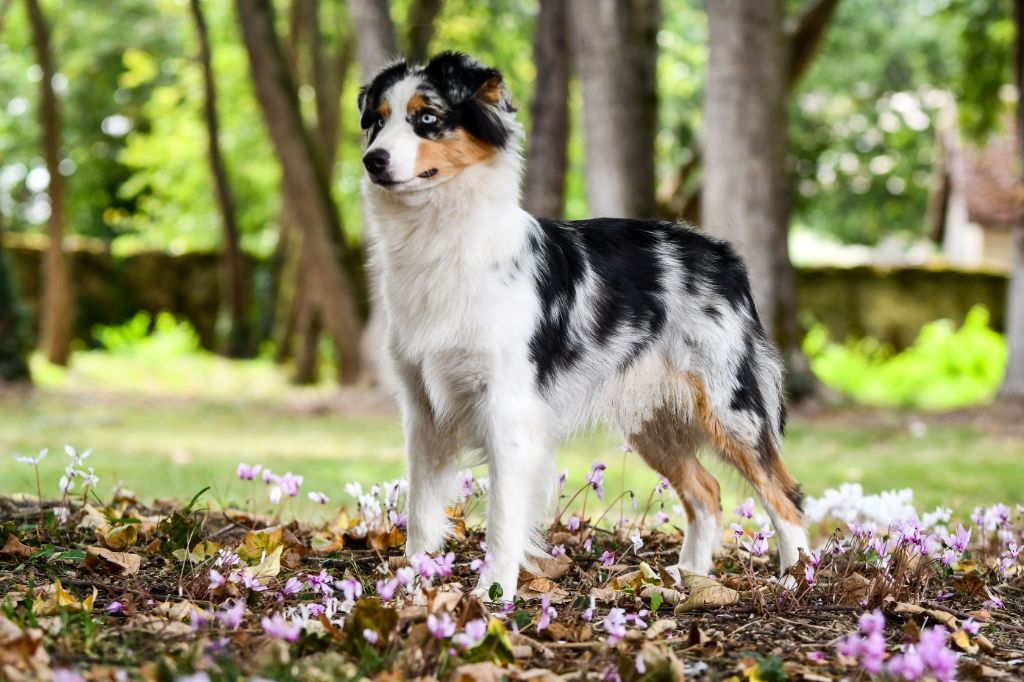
(370, 94)
(476, 91)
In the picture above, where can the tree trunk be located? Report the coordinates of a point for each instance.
(238, 341)
(745, 181)
(305, 178)
(422, 14)
(14, 344)
(615, 45)
(376, 44)
(55, 326)
(1013, 382)
(547, 154)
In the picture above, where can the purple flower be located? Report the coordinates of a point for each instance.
(994, 601)
(117, 607)
(816, 656)
(908, 666)
(615, 624)
(637, 618)
(474, 633)
(480, 565)
(216, 579)
(248, 473)
(939, 660)
(268, 477)
(386, 590)
(443, 565)
(321, 583)
(638, 663)
(198, 619)
(233, 615)
(465, 482)
(319, 498)
(870, 623)
(440, 628)
(557, 551)
(290, 484)
(573, 524)
(809, 574)
(970, 626)
(252, 583)
(595, 478)
(562, 478)
(661, 518)
(587, 544)
(746, 510)
(949, 558)
(370, 636)
(662, 486)
(278, 628)
(547, 612)
(423, 565)
(607, 559)
(959, 541)
(351, 588)
(293, 586)
(872, 652)
(737, 530)
(66, 675)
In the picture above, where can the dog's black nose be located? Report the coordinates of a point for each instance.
(376, 161)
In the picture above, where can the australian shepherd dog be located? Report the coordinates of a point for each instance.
(507, 331)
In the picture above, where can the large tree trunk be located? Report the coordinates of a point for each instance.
(1013, 383)
(616, 51)
(745, 181)
(305, 178)
(547, 154)
(238, 341)
(376, 44)
(14, 345)
(422, 14)
(55, 326)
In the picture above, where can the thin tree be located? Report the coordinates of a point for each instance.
(1013, 382)
(238, 342)
(55, 325)
(547, 152)
(422, 15)
(306, 180)
(615, 47)
(745, 182)
(14, 344)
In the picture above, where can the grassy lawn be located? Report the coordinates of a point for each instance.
(172, 432)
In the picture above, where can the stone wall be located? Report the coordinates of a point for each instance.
(891, 305)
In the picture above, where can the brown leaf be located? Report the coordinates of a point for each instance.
(660, 627)
(963, 642)
(855, 589)
(705, 592)
(16, 547)
(125, 563)
(971, 585)
(552, 567)
(118, 537)
(668, 595)
(21, 651)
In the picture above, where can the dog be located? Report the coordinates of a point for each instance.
(507, 332)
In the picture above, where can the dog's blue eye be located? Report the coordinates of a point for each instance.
(426, 118)
(381, 122)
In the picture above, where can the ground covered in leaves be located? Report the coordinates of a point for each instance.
(114, 589)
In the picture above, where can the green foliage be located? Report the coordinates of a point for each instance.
(985, 49)
(945, 368)
(145, 338)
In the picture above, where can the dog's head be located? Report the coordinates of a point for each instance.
(424, 125)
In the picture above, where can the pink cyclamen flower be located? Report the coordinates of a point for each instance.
(268, 477)
(279, 628)
(319, 498)
(661, 518)
(872, 652)
(290, 484)
(253, 583)
(587, 544)
(557, 551)
(351, 588)
(562, 478)
(959, 541)
(595, 478)
(480, 565)
(639, 664)
(547, 612)
(443, 565)
(293, 586)
(67, 675)
(423, 565)
(809, 574)
(638, 618)
(737, 530)
(465, 482)
(746, 509)
(937, 657)
(906, 666)
(114, 607)
(248, 473)
(573, 524)
(971, 626)
(370, 636)
(870, 623)
(440, 628)
(662, 485)
(615, 624)
(233, 615)
(607, 559)
(386, 590)
(949, 557)
(216, 579)
(816, 656)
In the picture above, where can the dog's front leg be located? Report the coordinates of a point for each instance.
(519, 462)
(431, 457)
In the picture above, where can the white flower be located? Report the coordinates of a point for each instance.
(354, 489)
(634, 537)
(275, 494)
(32, 460)
(66, 484)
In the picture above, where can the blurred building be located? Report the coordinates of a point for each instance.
(977, 196)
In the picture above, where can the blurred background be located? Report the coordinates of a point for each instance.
(181, 244)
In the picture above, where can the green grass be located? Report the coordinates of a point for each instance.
(169, 438)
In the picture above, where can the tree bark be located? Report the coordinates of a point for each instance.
(422, 14)
(745, 181)
(1013, 382)
(305, 178)
(547, 153)
(55, 326)
(615, 48)
(14, 344)
(238, 341)
(376, 45)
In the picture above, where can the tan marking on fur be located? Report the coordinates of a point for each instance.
(772, 486)
(490, 91)
(692, 482)
(416, 102)
(452, 153)
(384, 109)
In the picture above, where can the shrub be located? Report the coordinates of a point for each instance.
(944, 368)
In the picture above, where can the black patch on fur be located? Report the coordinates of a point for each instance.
(370, 95)
(747, 394)
(796, 496)
(714, 264)
(782, 415)
(713, 312)
(621, 256)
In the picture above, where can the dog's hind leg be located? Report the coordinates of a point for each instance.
(671, 451)
(757, 459)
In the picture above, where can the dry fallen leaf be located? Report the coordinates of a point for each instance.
(552, 567)
(22, 655)
(668, 595)
(122, 562)
(705, 592)
(55, 597)
(119, 537)
(16, 547)
(270, 567)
